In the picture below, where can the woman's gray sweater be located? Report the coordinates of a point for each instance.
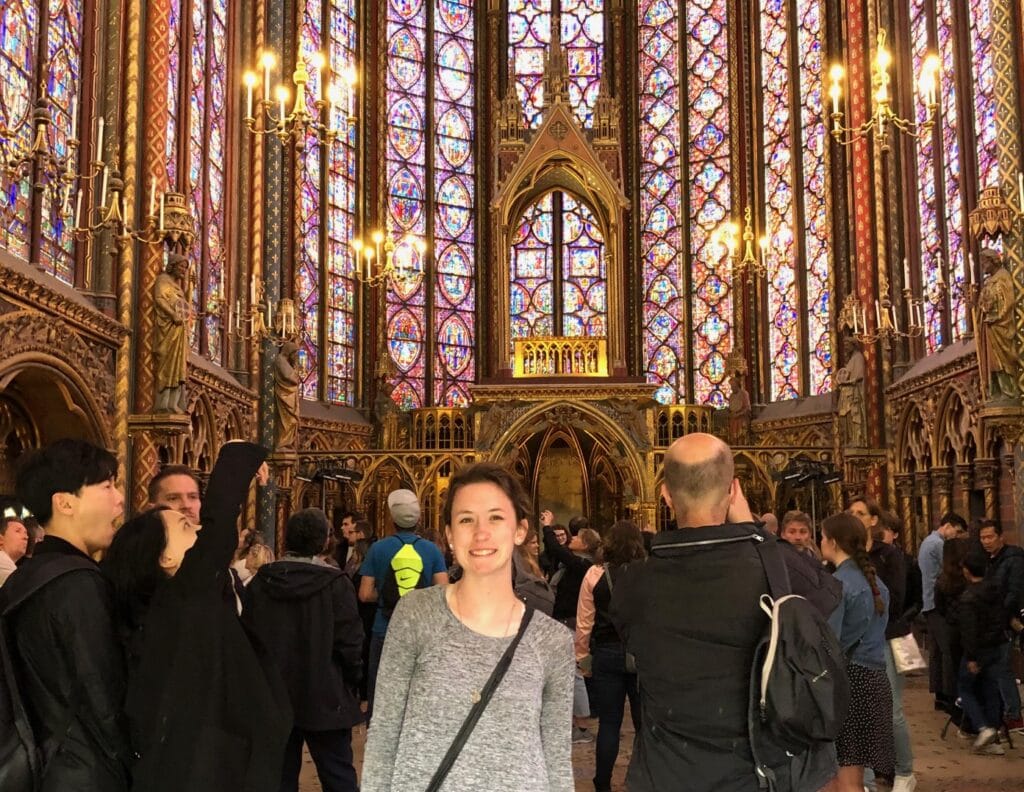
(431, 668)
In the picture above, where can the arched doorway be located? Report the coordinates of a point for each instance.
(38, 405)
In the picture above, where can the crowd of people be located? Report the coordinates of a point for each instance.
(175, 652)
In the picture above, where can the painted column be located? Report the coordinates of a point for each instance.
(273, 233)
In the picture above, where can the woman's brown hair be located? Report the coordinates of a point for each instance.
(489, 473)
(951, 578)
(851, 537)
(622, 544)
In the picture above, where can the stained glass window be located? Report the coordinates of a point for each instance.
(430, 321)
(558, 249)
(582, 40)
(196, 135)
(21, 32)
(940, 159)
(341, 209)
(325, 288)
(686, 194)
(796, 221)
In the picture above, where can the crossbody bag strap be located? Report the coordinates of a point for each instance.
(478, 708)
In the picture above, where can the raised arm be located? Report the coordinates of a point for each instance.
(232, 474)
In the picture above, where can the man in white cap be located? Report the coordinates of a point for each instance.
(394, 566)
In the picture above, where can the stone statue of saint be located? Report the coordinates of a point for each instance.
(739, 411)
(170, 339)
(286, 396)
(850, 397)
(997, 353)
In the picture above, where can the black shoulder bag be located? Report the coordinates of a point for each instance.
(478, 708)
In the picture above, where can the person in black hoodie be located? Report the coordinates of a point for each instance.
(981, 634)
(59, 619)
(1006, 568)
(304, 611)
(694, 662)
(206, 713)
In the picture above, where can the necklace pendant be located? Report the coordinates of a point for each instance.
(476, 696)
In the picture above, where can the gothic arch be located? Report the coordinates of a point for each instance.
(590, 419)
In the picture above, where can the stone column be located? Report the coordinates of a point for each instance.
(923, 490)
(986, 476)
(942, 486)
(964, 475)
(905, 492)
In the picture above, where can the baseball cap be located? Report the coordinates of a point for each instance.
(404, 507)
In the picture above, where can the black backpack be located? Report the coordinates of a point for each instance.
(800, 693)
(405, 573)
(22, 758)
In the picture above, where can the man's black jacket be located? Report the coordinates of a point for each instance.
(690, 616)
(70, 670)
(1006, 568)
(306, 616)
(982, 625)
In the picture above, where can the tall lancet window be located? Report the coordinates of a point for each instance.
(196, 152)
(685, 195)
(40, 54)
(582, 39)
(960, 155)
(558, 271)
(795, 186)
(325, 286)
(430, 184)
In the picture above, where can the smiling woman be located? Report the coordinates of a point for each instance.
(443, 648)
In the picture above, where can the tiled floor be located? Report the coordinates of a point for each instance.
(941, 766)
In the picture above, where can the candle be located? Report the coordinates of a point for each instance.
(103, 191)
(895, 319)
(270, 313)
(878, 315)
(99, 142)
(252, 290)
(152, 199)
(162, 211)
(78, 209)
(248, 101)
(856, 327)
(906, 274)
(74, 118)
(283, 97)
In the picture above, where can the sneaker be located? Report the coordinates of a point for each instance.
(1015, 725)
(581, 735)
(966, 735)
(985, 736)
(905, 783)
(993, 749)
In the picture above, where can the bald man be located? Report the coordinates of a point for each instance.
(689, 615)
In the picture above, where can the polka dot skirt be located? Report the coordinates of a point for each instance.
(866, 739)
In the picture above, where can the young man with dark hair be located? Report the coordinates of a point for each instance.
(304, 612)
(14, 542)
(982, 625)
(941, 679)
(176, 487)
(1006, 569)
(58, 615)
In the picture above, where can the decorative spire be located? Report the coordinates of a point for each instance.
(556, 79)
(606, 114)
(510, 112)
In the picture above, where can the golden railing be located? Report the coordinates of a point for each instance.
(560, 356)
(442, 428)
(675, 420)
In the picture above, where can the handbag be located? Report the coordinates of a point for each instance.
(479, 706)
(906, 654)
